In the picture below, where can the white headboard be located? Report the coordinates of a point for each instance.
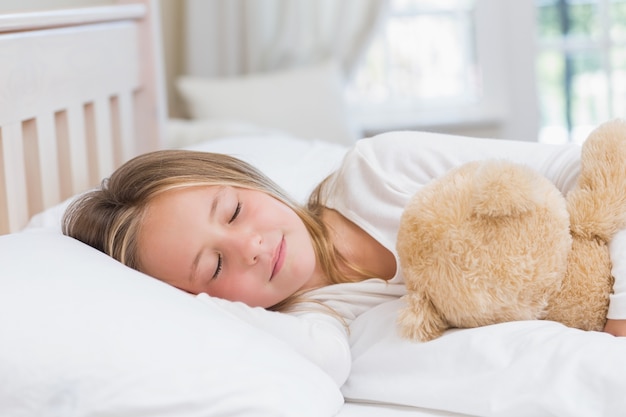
(81, 91)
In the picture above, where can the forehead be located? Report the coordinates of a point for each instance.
(169, 228)
(175, 208)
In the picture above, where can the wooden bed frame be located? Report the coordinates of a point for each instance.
(81, 91)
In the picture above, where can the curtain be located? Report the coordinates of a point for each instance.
(234, 37)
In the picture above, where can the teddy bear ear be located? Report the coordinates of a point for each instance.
(504, 189)
(419, 320)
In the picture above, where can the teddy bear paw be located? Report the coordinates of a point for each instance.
(419, 320)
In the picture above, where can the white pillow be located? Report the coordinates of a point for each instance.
(305, 102)
(83, 335)
(517, 369)
(51, 217)
(185, 132)
(297, 165)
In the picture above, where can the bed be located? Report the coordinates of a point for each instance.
(80, 92)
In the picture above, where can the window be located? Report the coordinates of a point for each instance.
(581, 66)
(423, 68)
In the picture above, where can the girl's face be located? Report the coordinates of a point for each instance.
(232, 243)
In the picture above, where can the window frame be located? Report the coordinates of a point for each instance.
(568, 46)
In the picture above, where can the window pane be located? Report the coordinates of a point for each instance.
(429, 57)
(548, 23)
(424, 53)
(552, 101)
(550, 70)
(584, 18)
(574, 83)
(590, 101)
(573, 18)
(618, 77)
(618, 19)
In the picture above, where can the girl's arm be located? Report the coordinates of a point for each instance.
(615, 327)
(616, 323)
(317, 336)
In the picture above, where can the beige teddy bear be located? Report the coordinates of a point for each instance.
(494, 241)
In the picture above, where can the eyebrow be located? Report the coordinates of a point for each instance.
(194, 267)
(216, 200)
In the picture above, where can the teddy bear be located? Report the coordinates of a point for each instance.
(494, 241)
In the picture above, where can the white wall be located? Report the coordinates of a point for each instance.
(523, 118)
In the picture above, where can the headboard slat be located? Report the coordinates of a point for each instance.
(62, 134)
(14, 176)
(78, 149)
(105, 139)
(48, 162)
(32, 165)
(124, 126)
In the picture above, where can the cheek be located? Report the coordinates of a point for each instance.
(302, 262)
(235, 288)
(306, 256)
(304, 268)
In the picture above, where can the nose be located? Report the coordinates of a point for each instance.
(249, 247)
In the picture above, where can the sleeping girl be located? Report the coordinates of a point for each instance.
(216, 227)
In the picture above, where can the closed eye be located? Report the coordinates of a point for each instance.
(236, 213)
(218, 269)
(220, 262)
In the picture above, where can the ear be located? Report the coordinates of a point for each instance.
(420, 320)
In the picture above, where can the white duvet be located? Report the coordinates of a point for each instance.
(525, 369)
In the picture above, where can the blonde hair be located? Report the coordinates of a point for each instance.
(109, 217)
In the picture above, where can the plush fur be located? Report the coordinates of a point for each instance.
(494, 241)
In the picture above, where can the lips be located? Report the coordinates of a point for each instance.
(279, 258)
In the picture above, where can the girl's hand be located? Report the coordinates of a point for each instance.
(615, 327)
